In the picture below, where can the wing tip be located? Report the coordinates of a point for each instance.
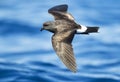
(74, 70)
(62, 8)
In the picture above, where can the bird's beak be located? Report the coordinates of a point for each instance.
(41, 29)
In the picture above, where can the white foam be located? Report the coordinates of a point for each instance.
(83, 29)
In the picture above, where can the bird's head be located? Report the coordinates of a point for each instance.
(49, 26)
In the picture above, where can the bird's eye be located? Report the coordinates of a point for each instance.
(45, 24)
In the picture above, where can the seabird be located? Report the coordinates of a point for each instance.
(64, 28)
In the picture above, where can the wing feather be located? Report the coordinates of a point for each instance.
(60, 12)
(62, 8)
(64, 51)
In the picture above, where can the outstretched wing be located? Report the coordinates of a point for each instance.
(60, 12)
(62, 45)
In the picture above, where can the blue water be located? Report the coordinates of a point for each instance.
(26, 54)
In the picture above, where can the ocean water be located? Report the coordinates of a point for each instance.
(26, 54)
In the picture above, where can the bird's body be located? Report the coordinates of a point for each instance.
(64, 28)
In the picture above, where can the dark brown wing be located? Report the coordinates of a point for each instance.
(62, 45)
(60, 12)
(62, 8)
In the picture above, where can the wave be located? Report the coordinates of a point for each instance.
(45, 72)
(8, 27)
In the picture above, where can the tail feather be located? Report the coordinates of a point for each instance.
(88, 30)
(92, 29)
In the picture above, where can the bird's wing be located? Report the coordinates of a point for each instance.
(60, 12)
(62, 8)
(62, 46)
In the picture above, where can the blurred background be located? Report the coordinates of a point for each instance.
(26, 54)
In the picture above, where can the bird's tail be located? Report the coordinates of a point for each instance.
(87, 30)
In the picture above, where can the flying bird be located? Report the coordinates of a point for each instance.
(64, 28)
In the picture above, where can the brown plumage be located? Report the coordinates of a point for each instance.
(61, 42)
(64, 28)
